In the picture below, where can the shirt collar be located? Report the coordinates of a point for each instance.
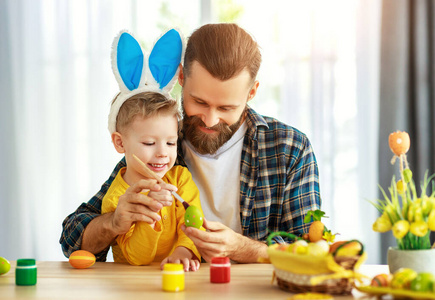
(254, 120)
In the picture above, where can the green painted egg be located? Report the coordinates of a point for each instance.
(193, 217)
(5, 266)
(423, 282)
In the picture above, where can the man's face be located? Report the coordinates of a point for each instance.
(213, 109)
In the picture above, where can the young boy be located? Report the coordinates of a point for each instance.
(147, 126)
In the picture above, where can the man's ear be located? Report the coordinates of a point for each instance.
(253, 90)
(181, 76)
(117, 142)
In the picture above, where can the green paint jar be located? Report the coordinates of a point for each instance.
(25, 272)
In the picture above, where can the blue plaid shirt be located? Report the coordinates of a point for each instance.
(279, 184)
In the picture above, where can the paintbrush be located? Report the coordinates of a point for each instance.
(147, 172)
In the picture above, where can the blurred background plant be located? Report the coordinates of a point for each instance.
(411, 217)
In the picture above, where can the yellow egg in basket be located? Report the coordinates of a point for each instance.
(402, 278)
(319, 248)
(300, 247)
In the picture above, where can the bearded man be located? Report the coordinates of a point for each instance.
(255, 175)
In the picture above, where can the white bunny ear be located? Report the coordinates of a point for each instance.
(131, 69)
(127, 62)
(164, 60)
(128, 66)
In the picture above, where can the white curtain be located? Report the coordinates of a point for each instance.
(321, 62)
(57, 84)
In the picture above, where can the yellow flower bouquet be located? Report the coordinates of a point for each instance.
(410, 216)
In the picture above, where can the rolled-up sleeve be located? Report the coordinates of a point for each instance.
(302, 190)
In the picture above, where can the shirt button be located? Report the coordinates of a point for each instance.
(165, 217)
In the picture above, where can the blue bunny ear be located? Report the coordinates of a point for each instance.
(127, 61)
(165, 58)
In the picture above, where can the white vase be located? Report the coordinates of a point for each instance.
(418, 260)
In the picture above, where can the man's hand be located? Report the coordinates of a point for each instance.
(132, 206)
(182, 255)
(219, 240)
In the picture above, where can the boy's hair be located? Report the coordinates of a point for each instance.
(147, 104)
(224, 50)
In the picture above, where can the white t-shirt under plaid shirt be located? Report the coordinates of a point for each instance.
(218, 179)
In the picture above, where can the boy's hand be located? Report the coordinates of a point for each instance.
(163, 196)
(182, 255)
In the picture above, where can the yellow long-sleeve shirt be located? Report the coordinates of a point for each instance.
(143, 244)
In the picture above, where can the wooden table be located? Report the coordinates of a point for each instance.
(58, 280)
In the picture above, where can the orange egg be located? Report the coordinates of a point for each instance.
(334, 246)
(349, 248)
(315, 232)
(381, 280)
(399, 142)
(81, 259)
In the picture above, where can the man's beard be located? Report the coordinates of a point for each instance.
(205, 143)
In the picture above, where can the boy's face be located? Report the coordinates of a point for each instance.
(154, 141)
(213, 109)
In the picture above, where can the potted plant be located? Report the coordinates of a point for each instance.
(410, 215)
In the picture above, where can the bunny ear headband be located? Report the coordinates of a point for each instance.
(137, 73)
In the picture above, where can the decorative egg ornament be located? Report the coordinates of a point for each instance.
(316, 231)
(381, 280)
(300, 247)
(399, 142)
(423, 282)
(193, 217)
(81, 259)
(349, 248)
(5, 265)
(402, 278)
(335, 245)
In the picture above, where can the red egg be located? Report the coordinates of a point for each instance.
(81, 259)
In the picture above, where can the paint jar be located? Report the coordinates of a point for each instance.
(220, 270)
(25, 272)
(173, 278)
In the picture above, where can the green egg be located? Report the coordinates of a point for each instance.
(5, 266)
(423, 282)
(193, 217)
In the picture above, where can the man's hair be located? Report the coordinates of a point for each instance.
(145, 105)
(224, 50)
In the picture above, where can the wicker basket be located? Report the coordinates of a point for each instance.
(305, 273)
(300, 283)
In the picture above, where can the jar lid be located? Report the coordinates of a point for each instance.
(26, 262)
(220, 260)
(173, 267)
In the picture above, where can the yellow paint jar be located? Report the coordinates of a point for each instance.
(173, 278)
